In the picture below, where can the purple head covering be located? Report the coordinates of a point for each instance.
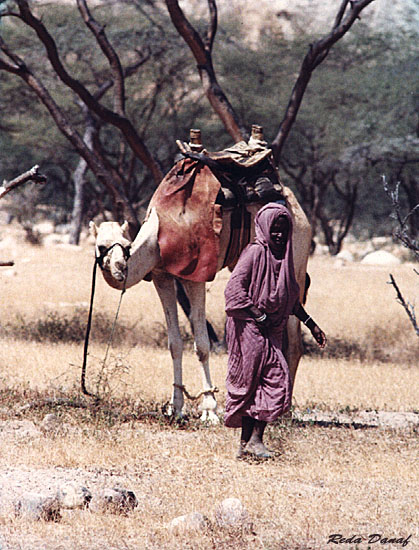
(271, 284)
(258, 379)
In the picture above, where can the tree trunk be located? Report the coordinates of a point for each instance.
(79, 180)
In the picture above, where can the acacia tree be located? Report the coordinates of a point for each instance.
(115, 116)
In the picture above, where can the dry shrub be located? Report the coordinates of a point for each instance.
(55, 327)
(386, 344)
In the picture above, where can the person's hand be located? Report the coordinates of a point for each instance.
(263, 322)
(319, 336)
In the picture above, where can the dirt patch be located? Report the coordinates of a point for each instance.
(14, 482)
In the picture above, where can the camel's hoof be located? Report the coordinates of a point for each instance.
(210, 417)
(177, 417)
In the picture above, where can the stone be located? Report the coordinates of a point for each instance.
(43, 228)
(231, 513)
(50, 422)
(380, 257)
(189, 522)
(37, 507)
(345, 256)
(74, 496)
(114, 501)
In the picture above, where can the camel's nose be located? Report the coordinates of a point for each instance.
(120, 269)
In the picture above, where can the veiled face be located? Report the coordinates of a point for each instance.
(279, 232)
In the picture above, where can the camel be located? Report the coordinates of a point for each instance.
(121, 271)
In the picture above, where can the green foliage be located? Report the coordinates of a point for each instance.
(364, 93)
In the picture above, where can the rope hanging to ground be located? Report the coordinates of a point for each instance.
(214, 389)
(98, 261)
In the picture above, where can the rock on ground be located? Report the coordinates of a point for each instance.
(38, 507)
(189, 522)
(231, 513)
(114, 501)
(380, 257)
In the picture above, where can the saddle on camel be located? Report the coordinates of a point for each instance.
(198, 221)
(191, 199)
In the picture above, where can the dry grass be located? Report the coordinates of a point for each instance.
(322, 481)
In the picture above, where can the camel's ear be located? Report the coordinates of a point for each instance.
(93, 229)
(125, 230)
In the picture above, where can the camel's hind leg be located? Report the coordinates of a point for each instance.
(196, 295)
(165, 287)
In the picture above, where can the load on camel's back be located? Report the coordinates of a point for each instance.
(199, 220)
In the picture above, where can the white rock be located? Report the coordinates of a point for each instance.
(345, 256)
(50, 422)
(231, 513)
(379, 242)
(43, 228)
(321, 250)
(74, 496)
(114, 501)
(189, 522)
(36, 507)
(380, 257)
(53, 239)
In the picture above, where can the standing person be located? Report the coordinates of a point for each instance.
(260, 296)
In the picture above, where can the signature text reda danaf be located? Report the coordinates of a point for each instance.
(337, 538)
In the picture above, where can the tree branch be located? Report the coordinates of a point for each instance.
(212, 27)
(107, 115)
(71, 134)
(410, 310)
(109, 52)
(317, 53)
(203, 56)
(31, 175)
(401, 232)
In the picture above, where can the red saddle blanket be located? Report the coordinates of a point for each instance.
(189, 221)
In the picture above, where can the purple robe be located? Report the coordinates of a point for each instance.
(258, 380)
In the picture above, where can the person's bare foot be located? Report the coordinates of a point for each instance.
(257, 450)
(241, 451)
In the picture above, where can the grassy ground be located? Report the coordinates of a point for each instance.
(322, 480)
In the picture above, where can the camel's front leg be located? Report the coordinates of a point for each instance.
(196, 294)
(165, 287)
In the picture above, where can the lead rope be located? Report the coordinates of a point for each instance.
(98, 260)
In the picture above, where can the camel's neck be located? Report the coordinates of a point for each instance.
(144, 251)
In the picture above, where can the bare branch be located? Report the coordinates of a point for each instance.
(73, 137)
(401, 233)
(31, 175)
(121, 122)
(316, 54)
(212, 28)
(409, 308)
(202, 53)
(114, 62)
(341, 13)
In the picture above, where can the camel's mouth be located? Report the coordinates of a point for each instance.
(120, 276)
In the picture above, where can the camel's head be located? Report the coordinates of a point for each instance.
(112, 250)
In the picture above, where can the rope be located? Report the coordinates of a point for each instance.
(86, 338)
(99, 261)
(214, 389)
